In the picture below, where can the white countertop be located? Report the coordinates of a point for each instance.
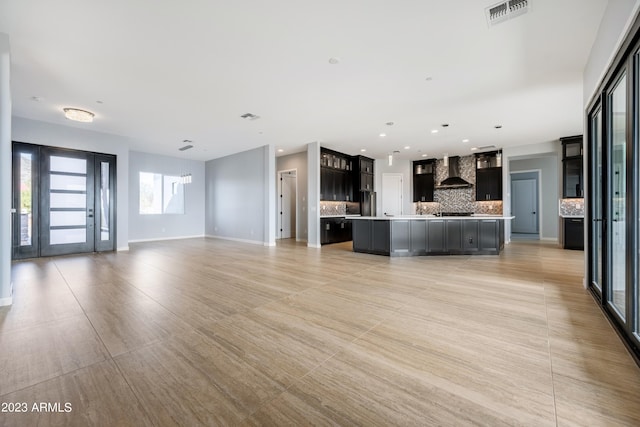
(433, 217)
(339, 216)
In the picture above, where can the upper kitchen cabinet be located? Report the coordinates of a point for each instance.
(423, 180)
(572, 175)
(489, 176)
(336, 179)
(364, 174)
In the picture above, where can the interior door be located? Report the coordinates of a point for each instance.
(67, 202)
(524, 201)
(392, 194)
(287, 205)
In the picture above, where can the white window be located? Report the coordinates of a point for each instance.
(161, 194)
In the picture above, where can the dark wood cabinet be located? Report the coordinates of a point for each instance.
(454, 235)
(335, 230)
(423, 180)
(363, 174)
(489, 184)
(572, 170)
(336, 176)
(574, 233)
(489, 176)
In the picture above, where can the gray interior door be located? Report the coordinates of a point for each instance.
(524, 201)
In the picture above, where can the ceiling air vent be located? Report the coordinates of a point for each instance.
(250, 116)
(502, 11)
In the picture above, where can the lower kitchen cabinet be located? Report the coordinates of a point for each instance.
(335, 230)
(436, 236)
(574, 233)
(409, 237)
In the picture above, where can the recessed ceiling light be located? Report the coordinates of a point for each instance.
(383, 135)
(498, 126)
(186, 147)
(362, 150)
(445, 125)
(406, 147)
(250, 116)
(78, 115)
(434, 131)
(334, 60)
(389, 123)
(280, 150)
(465, 140)
(37, 98)
(429, 78)
(474, 148)
(99, 102)
(424, 155)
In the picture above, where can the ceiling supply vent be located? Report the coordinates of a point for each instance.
(505, 10)
(185, 148)
(250, 116)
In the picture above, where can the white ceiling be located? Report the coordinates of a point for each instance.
(166, 71)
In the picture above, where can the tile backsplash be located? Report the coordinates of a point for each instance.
(339, 208)
(457, 199)
(571, 207)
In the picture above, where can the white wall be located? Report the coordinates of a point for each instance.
(297, 161)
(235, 198)
(313, 192)
(42, 133)
(5, 172)
(403, 167)
(549, 177)
(618, 17)
(158, 227)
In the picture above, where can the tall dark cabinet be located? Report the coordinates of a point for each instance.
(489, 176)
(572, 174)
(336, 176)
(424, 172)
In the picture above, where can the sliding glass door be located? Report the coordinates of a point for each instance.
(617, 138)
(614, 193)
(65, 200)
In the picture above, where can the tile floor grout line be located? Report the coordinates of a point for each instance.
(553, 382)
(109, 357)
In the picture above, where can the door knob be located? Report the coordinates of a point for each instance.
(534, 212)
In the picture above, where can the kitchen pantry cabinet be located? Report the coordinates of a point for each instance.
(489, 176)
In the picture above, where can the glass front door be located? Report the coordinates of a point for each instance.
(65, 201)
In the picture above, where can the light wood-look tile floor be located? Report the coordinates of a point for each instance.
(211, 332)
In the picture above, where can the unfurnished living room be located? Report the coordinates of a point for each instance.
(339, 213)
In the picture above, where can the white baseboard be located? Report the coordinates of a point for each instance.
(234, 239)
(311, 245)
(158, 239)
(123, 248)
(549, 239)
(6, 301)
(269, 243)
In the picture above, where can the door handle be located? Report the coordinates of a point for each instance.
(90, 216)
(534, 212)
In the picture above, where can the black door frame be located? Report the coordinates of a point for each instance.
(40, 200)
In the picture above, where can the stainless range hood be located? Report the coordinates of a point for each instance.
(454, 180)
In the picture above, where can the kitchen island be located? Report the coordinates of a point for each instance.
(413, 235)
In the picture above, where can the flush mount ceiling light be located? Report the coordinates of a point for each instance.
(78, 115)
(250, 116)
